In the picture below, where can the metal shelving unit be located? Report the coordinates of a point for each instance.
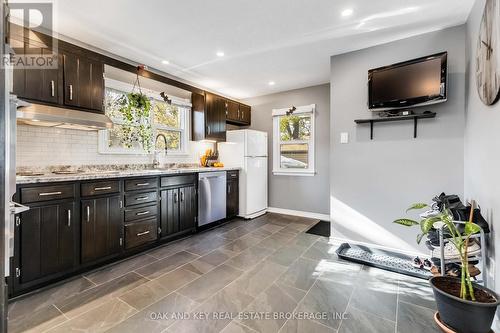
(481, 257)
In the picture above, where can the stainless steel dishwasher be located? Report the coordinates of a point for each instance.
(211, 197)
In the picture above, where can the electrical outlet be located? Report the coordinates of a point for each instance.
(344, 137)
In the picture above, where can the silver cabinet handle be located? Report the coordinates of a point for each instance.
(143, 233)
(88, 213)
(142, 213)
(238, 113)
(102, 188)
(69, 217)
(182, 196)
(49, 193)
(142, 184)
(141, 198)
(228, 188)
(70, 92)
(175, 197)
(208, 129)
(52, 88)
(242, 114)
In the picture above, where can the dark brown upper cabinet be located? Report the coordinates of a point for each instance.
(233, 111)
(245, 114)
(209, 117)
(83, 82)
(238, 114)
(40, 85)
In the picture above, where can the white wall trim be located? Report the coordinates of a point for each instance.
(376, 246)
(300, 213)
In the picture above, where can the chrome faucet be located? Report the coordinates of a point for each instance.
(156, 162)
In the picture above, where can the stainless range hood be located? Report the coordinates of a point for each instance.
(51, 116)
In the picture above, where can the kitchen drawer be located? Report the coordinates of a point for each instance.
(132, 214)
(232, 174)
(141, 232)
(96, 188)
(178, 180)
(141, 184)
(140, 198)
(44, 193)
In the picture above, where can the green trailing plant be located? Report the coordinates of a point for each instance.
(460, 240)
(135, 109)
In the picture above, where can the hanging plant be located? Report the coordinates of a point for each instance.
(135, 107)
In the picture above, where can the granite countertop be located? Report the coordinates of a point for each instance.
(47, 175)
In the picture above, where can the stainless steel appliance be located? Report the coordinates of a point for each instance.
(211, 197)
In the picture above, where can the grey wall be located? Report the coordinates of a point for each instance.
(373, 182)
(482, 142)
(309, 194)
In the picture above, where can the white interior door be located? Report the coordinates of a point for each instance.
(256, 191)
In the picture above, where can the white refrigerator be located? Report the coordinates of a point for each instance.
(247, 149)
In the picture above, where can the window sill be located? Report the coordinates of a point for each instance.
(307, 173)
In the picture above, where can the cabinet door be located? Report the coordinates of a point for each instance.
(211, 116)
(102, 228)
(83, 82)
(245, 114)
(169, 212)
(233, 111)
(36, 84)
(221, 119)
(187, 207)
(232, 198)
(47, 241)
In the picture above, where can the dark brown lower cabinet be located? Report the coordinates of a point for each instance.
(47, 237)
(178, 210)
(232, 194)
(102, 228)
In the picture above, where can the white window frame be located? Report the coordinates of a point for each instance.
(277, 170)
(183, 104)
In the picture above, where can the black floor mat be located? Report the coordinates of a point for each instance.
(322, 228)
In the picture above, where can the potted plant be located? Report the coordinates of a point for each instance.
(135, 109)
(464, 306)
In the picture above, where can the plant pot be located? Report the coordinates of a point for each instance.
(462, 315)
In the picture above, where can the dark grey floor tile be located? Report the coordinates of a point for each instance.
(152, 291)
(207, 245)
(273, 300)
(249, 257)
(327, 296)
(287, 254)
(27, 305)
(37, 321)
(258, 278)
(380, 302)
(158, 316)
(99, 319)
(321, 249)
(236, 233)
(170, 249)
(235, 327)
(239, 245)
(416, 291)
(109, 273)
(413, 318)
(305, 326)
(165, 265)
(207, 262)
(96, 296)
(301, 274)
(358, 321)
(208, 284)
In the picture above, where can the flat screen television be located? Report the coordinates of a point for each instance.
(415, 82)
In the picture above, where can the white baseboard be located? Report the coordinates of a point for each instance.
(377, 246)
(300, 213)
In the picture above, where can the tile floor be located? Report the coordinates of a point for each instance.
(246, 276)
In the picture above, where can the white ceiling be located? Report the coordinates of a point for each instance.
(286, 41)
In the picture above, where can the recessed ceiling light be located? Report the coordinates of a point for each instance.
(347, 12)
(165, 62)
(272, 83)
(220, 53)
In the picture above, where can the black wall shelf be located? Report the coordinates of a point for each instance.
(413, 117)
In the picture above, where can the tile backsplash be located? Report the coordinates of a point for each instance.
(45, 146)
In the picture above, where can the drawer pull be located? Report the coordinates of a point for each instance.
(142, 213)
(52, 88)
(143, 233)
(102, 188)
(141, 198)
(70, 92)
(88, 213)
(49, 193)
(69, 217)
(142, 184)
